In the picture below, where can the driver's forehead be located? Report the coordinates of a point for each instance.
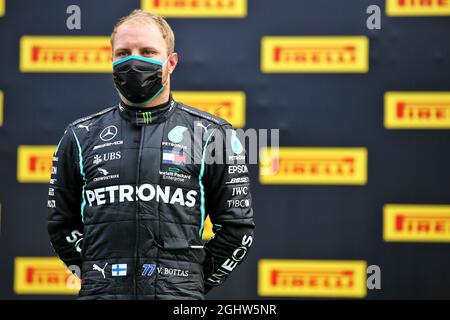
(135, 34)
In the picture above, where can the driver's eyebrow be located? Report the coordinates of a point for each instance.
(150, 47)
(121, 49)
(142, 48)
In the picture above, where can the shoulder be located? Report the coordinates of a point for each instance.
(203, 115)
(91, 117)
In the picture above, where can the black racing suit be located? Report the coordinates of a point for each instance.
(129, 193)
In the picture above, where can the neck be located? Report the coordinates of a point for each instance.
(162, 98)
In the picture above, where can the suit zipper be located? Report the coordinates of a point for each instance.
(136, 247)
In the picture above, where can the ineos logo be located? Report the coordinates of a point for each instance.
(108, 133)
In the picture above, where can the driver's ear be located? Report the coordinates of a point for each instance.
(173, 58)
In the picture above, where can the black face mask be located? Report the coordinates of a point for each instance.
(138, 79)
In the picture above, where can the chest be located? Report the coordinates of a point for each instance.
(125, 154)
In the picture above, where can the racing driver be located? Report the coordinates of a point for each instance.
(131, 187)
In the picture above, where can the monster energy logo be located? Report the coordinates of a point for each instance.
(147, 116)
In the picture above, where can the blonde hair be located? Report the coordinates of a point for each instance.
(145, 17)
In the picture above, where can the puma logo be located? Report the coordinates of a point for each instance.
(97, 268)
(83, 126)
(199, 124)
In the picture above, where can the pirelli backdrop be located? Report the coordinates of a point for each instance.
(356, 203)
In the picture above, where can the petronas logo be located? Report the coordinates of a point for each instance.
(176, 134)
(236, 145)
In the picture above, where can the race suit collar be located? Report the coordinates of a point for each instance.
(147, 116)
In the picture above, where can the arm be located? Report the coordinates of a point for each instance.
(65, 226)
(228, 203)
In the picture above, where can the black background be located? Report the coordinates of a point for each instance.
(343, 110)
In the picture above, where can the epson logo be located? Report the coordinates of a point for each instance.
(145, 192)
(242, 168)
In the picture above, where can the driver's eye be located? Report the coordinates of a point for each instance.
(148, 52)
(121, 53)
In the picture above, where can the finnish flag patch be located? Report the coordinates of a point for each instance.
(119, 270)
